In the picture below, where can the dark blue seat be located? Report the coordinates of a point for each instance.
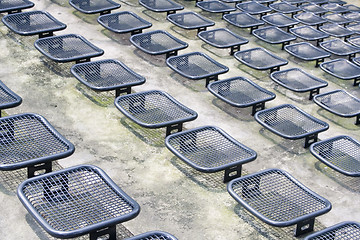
(94, 6)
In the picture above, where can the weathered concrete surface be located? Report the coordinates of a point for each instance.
(173, 197)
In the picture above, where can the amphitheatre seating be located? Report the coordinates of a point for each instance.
(215, 6)
(33, 23)
(253, 8)
(167, 6)
(278, 199)
(340, 48)
(341, 231)
(274, 35)
(76, 201)
(314, 8)
(310, 19)
(190, 20)
(29, 141)
(309, 33)
(280, 20)
(243, 20)
(209, 149)
(307, 52)
(15, 6)
(94, 6)
(336, 18)
(153, 235)
(8, 99)
(285, 8)
(343, 69)
(336, 30)
(290, 122)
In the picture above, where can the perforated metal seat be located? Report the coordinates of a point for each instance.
(298, 80)
(340, 103)
(336, 18)
(197, 65)
(295, 2)
(353, 16)
(353, 8)
(167, 6)
(260, 59)
(107, 75)
(190, 20)
(288, 121)
(340, 2)
(215, 6)
(77, 201)
(243, 20)
(32, 23)
(94, 6)
(335, 8)
(241, 92)
(317, 1)
(341, 153)
(336, 30)
(309, 33)
(14, 6)
(29, 141)
(124, 22)
(307, 52)
(280, 20)
(158, 42)
(285, 8)
(153, 235)
(278, 199)
(223, 38)
(67, 48)
(274, 35)
(210, 149)
(155, 109)
(354, 41)
(253, 8)
(340, 48)
(341, 231)
(314, 8)
(309, 18)
(343, 69)
(8, 99)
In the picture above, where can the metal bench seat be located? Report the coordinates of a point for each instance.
(341, 231)
(215, 6)
(243, 20)
(278, 199)
(124, 22)
(307, 52)
(298, 80)
(353, 16)
(309, 18)
(158, 42)
(210, 149)
(190, 20)
(288, 121)
(167, 6)
(153, 235)
(295, 2)
(260, 59)
(340, 48)
(107, 75)
(343, 69)
(336, 30)
(155, 109)
(340, 103)
(241, 92)
(336, 18)
(94, 6)
(76, 201)
(68, 48)
(314, 8)
(14, 6)
(274, 35)
(32, 23)
(354, 27)
(223, 38)
(29, 141)
(8, 99)
(197, 65)
(317, 1)
(335, 8)
(309, 33)
(354, 41)
(253, 8)
(341, 153)
(340, 2)
(279, 20)
(285, 8)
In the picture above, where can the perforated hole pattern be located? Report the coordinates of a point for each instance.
(75, 199)
(343, 152)
(208, 148)
(5, 96)
(94, 5)
(153, 107)
(274, 195)
(26, 137)
(350, 231)
(297, 80)
(122, 21)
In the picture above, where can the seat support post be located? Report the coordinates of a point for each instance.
(110, 231)
(304, 227)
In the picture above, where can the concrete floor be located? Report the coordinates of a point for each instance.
(173, 197)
